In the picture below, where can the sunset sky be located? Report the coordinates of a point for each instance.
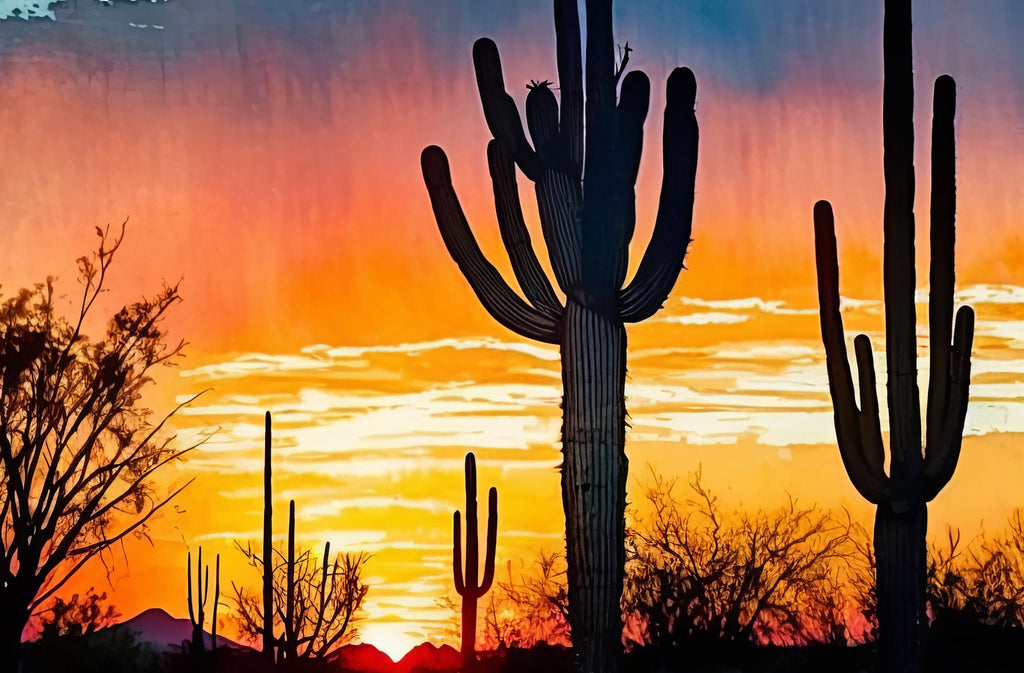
(266, 154)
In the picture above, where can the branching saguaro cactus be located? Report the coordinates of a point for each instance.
(466, 583)
(585, 185)
(915, 476)
(198, 616)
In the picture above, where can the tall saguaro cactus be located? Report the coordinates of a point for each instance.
(466, 583)
(915, 476)
(585, 182)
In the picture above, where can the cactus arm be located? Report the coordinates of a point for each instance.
(460, 585)
(943, 213)
(870, 426)
(500, 109)
(268, 544)
(870, 484)
(191, 612)
(666, 252)
(940, 463)
(289, 600)
(515, 235)
(492, 536)
(631, 113)
(898, 226)
(494, 293)
(558, 192)
(570, 78)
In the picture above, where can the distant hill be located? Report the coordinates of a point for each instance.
(165, 633)
(428, 658)
(362, 658)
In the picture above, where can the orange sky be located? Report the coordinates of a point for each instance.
(295, 214)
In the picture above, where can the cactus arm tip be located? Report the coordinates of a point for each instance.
(500, 110)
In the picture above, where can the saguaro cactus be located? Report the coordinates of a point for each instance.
(268, 547)
(585, 190)
(915, 476)
(197, 617)
(466, 583)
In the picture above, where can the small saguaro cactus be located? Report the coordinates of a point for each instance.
(915, 477)
(197, 617)
(466, 583)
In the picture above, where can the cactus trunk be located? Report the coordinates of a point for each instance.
(594, 479)
(268, 548)
(901, 571)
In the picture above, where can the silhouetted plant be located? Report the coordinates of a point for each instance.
(78, 451)
(77, 616)
(468, 583)
(585, 190)
(697, 575)
(915, 476)
(314, 602)
(530, 606)
(197, 615)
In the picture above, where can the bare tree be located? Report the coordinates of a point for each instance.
(693, 574)
(530, 606)
(318, 615)
(77, 449)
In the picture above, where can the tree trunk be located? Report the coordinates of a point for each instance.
(13, 618)
(901, 566)
(594, 482)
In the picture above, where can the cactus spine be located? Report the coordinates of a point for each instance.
(197, 617)
(466, 583)
(587, 226)
(914, 477)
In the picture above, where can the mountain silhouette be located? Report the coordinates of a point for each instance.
(165, 633)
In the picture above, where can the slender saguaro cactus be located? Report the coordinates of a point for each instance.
(915, 476)
(268, 547)
(290, 645)
(197, 617)
(585, 184)
(466, 583)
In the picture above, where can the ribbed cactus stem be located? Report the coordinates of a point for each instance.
(290, 627)
(268, 546)
(196, 609)
(914, 476)
(216, 602)
(466, 583)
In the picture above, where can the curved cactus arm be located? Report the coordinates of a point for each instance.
(943, 214)
(494, 293)
(558, 192)
(460, 585)
(515, 235)
(870, 424)
(634, 101)
(871, 483)
(492, 537)
(500, 109)
(941, 460)
(570, 78)
(666, 252)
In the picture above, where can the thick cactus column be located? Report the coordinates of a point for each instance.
(915, 477)
(466, 583)
(585, 186)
